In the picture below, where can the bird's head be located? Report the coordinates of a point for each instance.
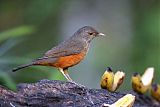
(88, 33)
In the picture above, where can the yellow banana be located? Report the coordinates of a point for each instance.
(125, 101)
(111, 81)
(137, 84)
(142, 84)
(107, 79)
(155, 91)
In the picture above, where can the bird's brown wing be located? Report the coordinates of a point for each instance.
(66, 48)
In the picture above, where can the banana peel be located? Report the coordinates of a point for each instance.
(107, 79)
(141, 84)
(125, 101)
(111, 81)
(137, 84)
(155, 91)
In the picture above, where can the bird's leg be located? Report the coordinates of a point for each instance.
(66, 75)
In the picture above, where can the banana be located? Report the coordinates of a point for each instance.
(111, 81)
(147, 77)
(118, 80)
(137, 84)
(142, 84)
(155, 91)
(125, 101)
(107, 79)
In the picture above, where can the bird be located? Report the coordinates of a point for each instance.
(68, 53)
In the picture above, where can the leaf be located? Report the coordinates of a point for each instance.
(16, 32)
(6, 80)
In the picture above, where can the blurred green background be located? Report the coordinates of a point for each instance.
(28, 28)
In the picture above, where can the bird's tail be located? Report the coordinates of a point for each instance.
(22, 66)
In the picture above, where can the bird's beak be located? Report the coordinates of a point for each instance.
(101, 34)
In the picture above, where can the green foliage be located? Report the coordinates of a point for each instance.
(27, 16)
(16, 32)
(147, 38)
(5, 78)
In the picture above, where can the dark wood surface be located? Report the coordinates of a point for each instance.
(52, 93)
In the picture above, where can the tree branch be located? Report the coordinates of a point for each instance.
(49, 93)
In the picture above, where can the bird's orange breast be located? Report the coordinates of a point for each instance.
(68, 61)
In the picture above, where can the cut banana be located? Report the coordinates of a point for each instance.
(111, 81)
(125, 101)
(107, 79)
(137, 84)
(147, 77)
(118, 80)
(142, 84)
(155, 91)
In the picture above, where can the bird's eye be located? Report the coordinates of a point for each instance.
(90, 33)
